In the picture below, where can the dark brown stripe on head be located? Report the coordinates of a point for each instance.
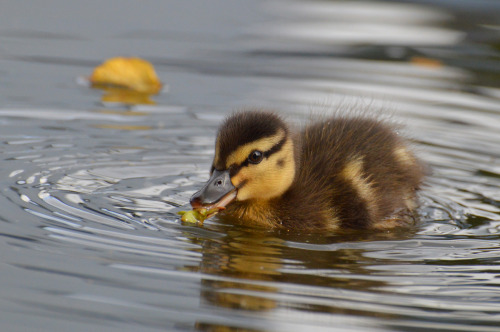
(233, 170)
(242, 128)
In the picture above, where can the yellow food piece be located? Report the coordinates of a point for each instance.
(131, 73)
(198, 215)
(192, 216)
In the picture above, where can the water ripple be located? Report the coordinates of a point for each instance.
(89, 232)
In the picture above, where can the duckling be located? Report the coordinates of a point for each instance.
(336, 173)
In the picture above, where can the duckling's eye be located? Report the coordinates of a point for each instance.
(255, 157)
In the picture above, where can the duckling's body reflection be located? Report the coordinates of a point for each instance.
(245, 256)
(253, 268)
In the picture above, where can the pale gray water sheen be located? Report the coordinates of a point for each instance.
(89, 236)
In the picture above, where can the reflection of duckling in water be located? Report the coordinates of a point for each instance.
(340, 172)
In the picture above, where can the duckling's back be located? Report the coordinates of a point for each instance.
(353, 173)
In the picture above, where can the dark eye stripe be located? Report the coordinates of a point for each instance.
(234, 169)
(275, 148)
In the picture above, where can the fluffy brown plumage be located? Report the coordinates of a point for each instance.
(339, 172)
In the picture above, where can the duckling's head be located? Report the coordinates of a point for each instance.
(254, 160)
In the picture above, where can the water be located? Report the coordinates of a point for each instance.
(89, 235)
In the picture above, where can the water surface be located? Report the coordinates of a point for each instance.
(89, 235)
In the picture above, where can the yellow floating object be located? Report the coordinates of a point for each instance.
(130, 73)
(426, 62)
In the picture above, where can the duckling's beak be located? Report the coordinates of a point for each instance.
(217, 192)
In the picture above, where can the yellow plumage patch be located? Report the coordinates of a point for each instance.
(404, 156)
(353, 173)
(266, 179)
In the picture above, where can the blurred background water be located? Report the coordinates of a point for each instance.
(88, 231)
